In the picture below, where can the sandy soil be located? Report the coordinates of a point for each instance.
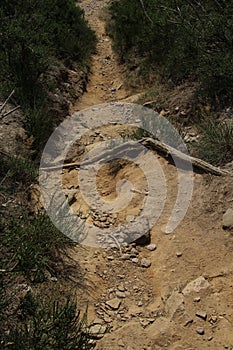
(156, 307)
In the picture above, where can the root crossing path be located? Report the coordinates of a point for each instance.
(175, 293)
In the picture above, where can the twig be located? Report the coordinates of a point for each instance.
(60, 166)
(117, 243)
(8, 98)
(144, 9)
(5, 154)
(11, 111)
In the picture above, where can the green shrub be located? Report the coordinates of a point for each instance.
(33, 246)
(216, 144)
(38, 121)
(35, 36)
(17, 170)
(180, 39)
(50, 326)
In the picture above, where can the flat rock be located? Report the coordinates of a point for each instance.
(125, 256)
(120, 294)
(174, 303)
(114, 303)
(196, 285)
(97, 330)
(227, 219)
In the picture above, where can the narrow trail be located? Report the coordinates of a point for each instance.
(106, 80)
(140, 292)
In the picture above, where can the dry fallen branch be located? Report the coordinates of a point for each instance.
(153, 144)
(196, 162)
(9, 112)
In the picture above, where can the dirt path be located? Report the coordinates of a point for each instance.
(178, 292)
(105, 84)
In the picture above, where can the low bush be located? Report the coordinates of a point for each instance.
(181, 39)
(33, 246)
(16, 170)
(216, 144)
(48, 325)
(35, 36)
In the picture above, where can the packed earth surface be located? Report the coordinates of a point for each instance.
(167, 290)
(174, 291)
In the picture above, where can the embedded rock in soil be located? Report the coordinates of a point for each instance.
(145, 263)
(97, 331)
(174, 303)
(196, 285)
(151, 247)
(114, 303)
(227, 219)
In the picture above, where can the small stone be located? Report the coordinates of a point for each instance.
(134, 251)
(135, 260)
(145, 263)
(97, 321)
(140, 303)
(151, 247)
(227, 219)
(107, 319)
(114, 303)
(121, 343)
(201, 314)
(209, 338)
(200, 331)
(125, 256)
(98, 330)
(121, 287)
(197, 299)
(110, 257)
(179, 254)
(213, 319)
(144, 323)
(120, 294)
